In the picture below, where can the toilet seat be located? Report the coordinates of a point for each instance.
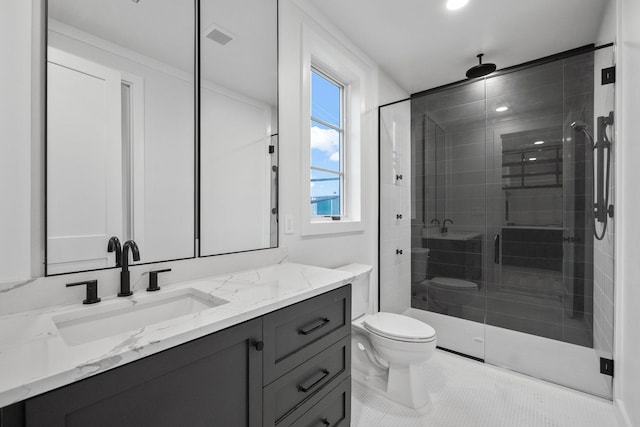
(399, 328)
(451, 283)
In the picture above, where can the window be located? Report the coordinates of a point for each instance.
(327, 177)
(337, 134)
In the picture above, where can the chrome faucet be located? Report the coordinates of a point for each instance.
(444, 228)
(125, 284)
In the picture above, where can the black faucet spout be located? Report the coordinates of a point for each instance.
(114, 246)
(125, 281)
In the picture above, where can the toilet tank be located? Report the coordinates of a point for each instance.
(362, 296)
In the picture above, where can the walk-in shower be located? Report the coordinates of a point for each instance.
(489, 192)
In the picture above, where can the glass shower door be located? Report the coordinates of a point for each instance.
(540, 301)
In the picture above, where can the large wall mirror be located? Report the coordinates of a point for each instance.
(122, 146)
(238, 111)
(120, 130)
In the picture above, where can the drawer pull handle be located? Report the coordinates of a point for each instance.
(314, 326)
(316, 380)
(325, 422)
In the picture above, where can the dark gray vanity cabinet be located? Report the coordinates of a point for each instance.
(212, 381)
(289, 365)
(307, 354)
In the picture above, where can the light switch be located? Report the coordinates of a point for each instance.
(288, 224)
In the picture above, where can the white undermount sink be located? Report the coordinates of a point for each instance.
(98, 322)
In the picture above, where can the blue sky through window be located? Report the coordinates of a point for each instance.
(325, 145)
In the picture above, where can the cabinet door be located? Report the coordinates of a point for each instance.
(212, 381)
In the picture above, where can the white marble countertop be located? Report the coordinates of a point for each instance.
(34, 357)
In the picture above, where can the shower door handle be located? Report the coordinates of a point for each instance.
(496, 249)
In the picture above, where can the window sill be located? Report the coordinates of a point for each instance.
(320, 226)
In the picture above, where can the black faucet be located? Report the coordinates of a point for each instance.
(114, 246)
(436, 221)
(444, 228)
(92, 290)
(125, 284)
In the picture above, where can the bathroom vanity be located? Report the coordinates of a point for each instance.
(277, 353)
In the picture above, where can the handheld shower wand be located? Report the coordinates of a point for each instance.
(602, 210)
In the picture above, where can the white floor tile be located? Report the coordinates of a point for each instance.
(465, 393)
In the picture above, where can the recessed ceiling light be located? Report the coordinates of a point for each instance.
(532, 159)
(502, 109)
(539, 142)
(456, 4)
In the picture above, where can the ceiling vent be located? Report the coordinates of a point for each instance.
(219, 36)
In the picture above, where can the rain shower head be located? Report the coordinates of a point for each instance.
(481, 69)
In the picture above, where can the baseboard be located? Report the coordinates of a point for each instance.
(621, 413)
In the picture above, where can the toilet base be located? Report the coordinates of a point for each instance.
(406, 386)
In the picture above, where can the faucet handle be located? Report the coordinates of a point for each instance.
(92, 290)
(153, 279)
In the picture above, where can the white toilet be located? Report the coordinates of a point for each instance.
(388, 350)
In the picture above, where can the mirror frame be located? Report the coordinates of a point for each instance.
(196, 143)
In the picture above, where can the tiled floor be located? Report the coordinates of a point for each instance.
(465, 393)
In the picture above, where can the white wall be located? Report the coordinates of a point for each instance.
(328, 250)
(395, 199)
(627, 298)
(236, 174)
(15, 140)
(388, 90)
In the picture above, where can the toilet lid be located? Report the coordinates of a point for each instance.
(399, 327)
(448, 282)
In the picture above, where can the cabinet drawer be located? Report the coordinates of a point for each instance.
(288, 393)
(332, 411)
(296, 333)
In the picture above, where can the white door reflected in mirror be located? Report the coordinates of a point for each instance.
(84, 151)
(120, 131)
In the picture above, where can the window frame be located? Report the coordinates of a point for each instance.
(343, 138)
(359, 77)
